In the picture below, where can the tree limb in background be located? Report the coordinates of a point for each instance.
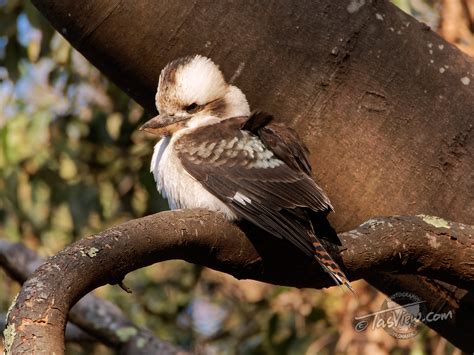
(98, 317)
(422, 245)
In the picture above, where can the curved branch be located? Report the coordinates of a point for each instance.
(403, 245)
(101, 319)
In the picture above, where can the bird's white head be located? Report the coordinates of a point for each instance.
(192, 92)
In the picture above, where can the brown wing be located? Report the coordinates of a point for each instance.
(258, 185)
(284, 143)
(281, 140)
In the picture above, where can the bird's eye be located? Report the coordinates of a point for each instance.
(194, 107)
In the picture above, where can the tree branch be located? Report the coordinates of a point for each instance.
(402, 245)
(101, 319)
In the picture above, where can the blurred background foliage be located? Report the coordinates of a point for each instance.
(72, 164)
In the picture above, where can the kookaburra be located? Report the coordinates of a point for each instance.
(215, 154)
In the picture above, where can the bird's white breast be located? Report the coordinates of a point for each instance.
(175, 183)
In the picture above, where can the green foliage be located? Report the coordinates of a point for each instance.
(426, 11)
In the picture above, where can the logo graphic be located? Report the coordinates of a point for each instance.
(401, 315)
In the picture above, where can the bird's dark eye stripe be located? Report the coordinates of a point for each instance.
(192, 108)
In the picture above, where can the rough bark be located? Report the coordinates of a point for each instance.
(98, 319)
(73, 333)
(384, 104)
(396, 245)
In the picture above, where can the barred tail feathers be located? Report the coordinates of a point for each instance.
(329, 265)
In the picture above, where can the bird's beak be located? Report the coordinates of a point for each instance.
(163, 125)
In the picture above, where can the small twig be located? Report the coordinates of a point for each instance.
(124, 287)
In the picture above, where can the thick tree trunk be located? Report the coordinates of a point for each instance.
(385, 105)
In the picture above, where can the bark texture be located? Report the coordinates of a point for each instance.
(392, 245)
